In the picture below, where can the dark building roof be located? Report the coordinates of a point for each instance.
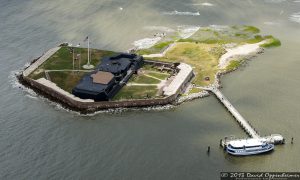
(115, 66)
(88, 86)
(104, 82)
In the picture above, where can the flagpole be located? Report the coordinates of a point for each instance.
(73, 59)
(88, 65)
(88, 51)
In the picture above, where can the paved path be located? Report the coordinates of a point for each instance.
(153, 77)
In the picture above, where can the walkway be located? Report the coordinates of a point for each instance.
(239, 118)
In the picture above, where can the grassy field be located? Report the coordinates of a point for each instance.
(66, 80)
(157, 48)
(136, 92)
(234, 64)
(204, 58)
(143, 79)
(63, 59)
(142, 92)
(271, 42)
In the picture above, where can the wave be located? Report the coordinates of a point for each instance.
(204, 4)
(187, 31)
(295, 17)
(159, 28)
(218, 27)
(182, 13)
(17, 85)
(271, 23)
(275, 1)
(146, 42)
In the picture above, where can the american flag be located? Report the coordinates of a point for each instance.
(86, 38)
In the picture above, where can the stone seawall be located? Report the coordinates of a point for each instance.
(89, 107)
(40, 61)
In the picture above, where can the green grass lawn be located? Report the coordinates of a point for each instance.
(195, 90)
(203, 57)
(233, 64)
(37, 75)
(136, 92)
(157, 48)
(63, 58)
(142, 79)
(271, 42)
(142, 92)
(66, 80)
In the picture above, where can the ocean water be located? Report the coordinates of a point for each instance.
(40, 140)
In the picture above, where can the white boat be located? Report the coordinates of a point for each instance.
(244, 147)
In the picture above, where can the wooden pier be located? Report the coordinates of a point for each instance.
(274, 138)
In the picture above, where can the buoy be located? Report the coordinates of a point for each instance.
(292, 141)
(208, 149)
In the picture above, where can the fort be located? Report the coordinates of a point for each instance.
(88, 80)
(101, 87)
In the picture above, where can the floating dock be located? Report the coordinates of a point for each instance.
(274, 138)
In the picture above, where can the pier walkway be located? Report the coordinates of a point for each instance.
(239, 118)
(273, 138)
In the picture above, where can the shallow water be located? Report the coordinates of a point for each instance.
(39, 140)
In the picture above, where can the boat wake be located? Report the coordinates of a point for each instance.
(182, 13)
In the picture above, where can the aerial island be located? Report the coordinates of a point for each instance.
(174, 69)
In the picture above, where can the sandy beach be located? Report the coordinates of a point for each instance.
(242, 50)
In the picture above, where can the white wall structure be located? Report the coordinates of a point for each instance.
(178, 84)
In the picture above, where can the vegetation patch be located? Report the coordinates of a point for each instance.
(204, 58)
(157, 48)
(195, 90)
(251, 29)
(271, 42)
(136, 92)
(66, 80)
(63, 58)
(37, 75)
(233, 64)
(143, 79)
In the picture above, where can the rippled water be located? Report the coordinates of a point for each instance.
(40, 140)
